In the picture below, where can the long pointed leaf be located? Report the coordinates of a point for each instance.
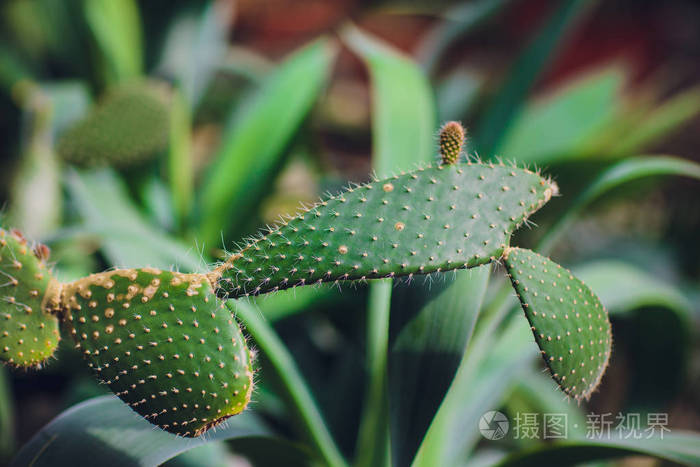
(253, 146)
(525, 71)
(623, 172)
(105, 429)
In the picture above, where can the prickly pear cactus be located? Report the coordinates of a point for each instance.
(434, 219)
(164, 343)
(128, 126)
(28, 334)
(569, 323)
(451, 142)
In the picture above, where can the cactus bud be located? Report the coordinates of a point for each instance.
(452, 137)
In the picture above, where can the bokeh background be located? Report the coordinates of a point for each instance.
(115, 117)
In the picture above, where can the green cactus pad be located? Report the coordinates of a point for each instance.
(129, 126)
(434, 219)
(28, 334)
(570, 324)
(164, 344)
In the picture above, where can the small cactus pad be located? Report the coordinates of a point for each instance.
(570, 324)
(451, 142)
(129, 125)
(164, 343)
(434, 219)
(28, 334)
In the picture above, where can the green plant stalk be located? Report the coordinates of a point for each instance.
(180, 170)
(373, 438)
(288, 373)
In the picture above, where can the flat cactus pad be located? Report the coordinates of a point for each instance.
(164, 343)
(28, 334)
(430, 220)
(569, 323)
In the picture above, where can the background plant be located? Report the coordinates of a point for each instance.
(579, 127)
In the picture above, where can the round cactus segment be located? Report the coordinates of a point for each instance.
(431, 220)
(130, 125)
(164, 343)
(451, 142)
(569, 323)
(29, 334)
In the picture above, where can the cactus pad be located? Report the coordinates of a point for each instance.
(570, 324)
(164, 344)
(129, 126)
(430, 220)
(28, 334)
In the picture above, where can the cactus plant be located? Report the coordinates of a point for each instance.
(28, 332)
(128, 126)
(167, 346)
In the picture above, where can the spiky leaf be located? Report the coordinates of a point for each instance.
(164, 344)
(570, 324)
(129, 126)
(434, 219)
(28, 334)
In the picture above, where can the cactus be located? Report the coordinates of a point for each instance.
(452, 136)
(569, 323)
(129, 126)
(28, 334)
(430, 220)
(164, 343)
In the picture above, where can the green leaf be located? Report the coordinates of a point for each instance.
(560, 124)
(678, 446)
(180, 170)
(298, 393)
(433, 323)
(35, 188)
(116, 26)
(623, 288)
(102, 201)
(652, 324)
(459, 21)
(524, 73)
(104, 428)
(286, 303)
(495, 360)
(7, 418)
(623, 172)
(659, 123)
(569, 323)
(253, 146)
(403, 111)
(194, 47)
